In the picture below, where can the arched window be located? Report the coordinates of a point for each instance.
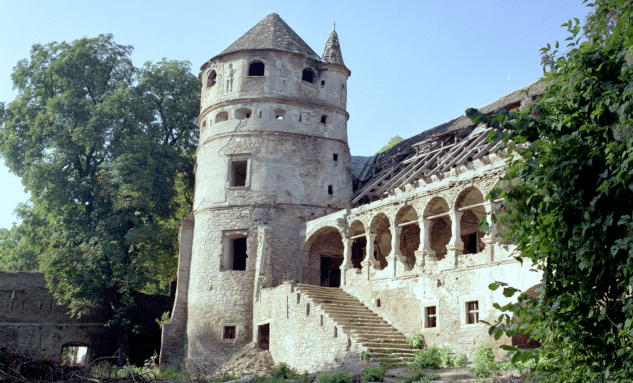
(222, 116)
(308, 75)
(243, 113)
(256, 69)
(211, 79)
(279, 114)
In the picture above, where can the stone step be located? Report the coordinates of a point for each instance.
(387, 350)
(357, 317)
(341, 303)
(346, 309)
(375, 345)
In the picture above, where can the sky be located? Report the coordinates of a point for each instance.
(415, 64)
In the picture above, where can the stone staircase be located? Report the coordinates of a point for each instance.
(366, 328)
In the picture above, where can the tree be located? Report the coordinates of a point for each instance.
(105, 149)
(394, 141)
(569, 203)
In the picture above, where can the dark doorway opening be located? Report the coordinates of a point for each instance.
(264, 336)
(239, 253)
(330, 272)
(470, 243)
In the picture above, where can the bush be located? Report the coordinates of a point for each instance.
(373, 374)
(459, 360)
(484, 364)
(340, 376)
(429, 357)
(417, 375)
(282, 371)
(416, 341)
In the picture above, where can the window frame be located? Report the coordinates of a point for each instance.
(425, 305)
(224, 332)
(227, 257)
(229, 176)
(463, 309)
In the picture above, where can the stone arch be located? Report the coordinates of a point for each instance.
(410, 234)
(440, 228)
(469, 221)
(76, 352)
(359, 245)
(256, 68)
(323, 242)
(380, 225)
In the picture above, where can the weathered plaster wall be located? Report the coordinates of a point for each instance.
(301, 334)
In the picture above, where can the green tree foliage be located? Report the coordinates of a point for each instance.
(569, 203)
(106, 151)
(20, 245)
(394, 141)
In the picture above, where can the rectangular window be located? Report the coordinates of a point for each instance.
(238, 247)
(431, 317)
(330, 190)
(335, 157)
(238, 173)
(322, 82)
(472, 312)
(229, 332)
(323, 119)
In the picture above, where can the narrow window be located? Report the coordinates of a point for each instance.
(335, 157)
(256, 69)
(204, 126)
(431, 317)
(260, 114)
(330, 190)
(323, 119)
(211, 79)
(307, 309)
(377, 302)
(238, 246)
(229, 332)
(238, 173)
(322, 82)
(299, 117)
(298, 298)
(472, 312)
(308, 75)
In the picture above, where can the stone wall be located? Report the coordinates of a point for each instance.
(31, 318)
(301, 334)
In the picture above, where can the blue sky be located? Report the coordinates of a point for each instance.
(415, 64)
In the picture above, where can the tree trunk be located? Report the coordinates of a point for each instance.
(123, 346)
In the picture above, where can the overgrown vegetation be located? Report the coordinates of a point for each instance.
(106, 151)
(569, 203)
(340, 376)
(416, 340)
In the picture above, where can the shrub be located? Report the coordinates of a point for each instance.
(282, 371)
(427, 358)
(373, 374)
(416, 340)
(417, 375)
(340, 376)
(484, 364)
(459, 360)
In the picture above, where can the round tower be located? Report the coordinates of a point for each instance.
(273, 154)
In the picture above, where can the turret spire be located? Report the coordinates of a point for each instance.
(332, 53)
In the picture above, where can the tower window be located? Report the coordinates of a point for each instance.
(279, 114)
(472, 312)
(238, 247)
(243, 113)
(229, 332)
(322, 82)
(256, 69)
(330, 189)
(211, 78)
(308, 75)
(323, 119)
(222, 116)
(431, 317)
(335, 157)
(238, 173)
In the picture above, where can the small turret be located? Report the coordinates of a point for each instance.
(332, 53)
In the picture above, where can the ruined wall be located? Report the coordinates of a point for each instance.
(31, 318)
(301, 335)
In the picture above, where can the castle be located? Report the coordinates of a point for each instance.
(319, 256)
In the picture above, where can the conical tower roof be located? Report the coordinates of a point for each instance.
(332, 53)
(272, 33)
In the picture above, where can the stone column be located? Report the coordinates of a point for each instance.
(347, 259)
(369, 261)
(424, 250)
(455, 245)
(395, 259)
(490, 239)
